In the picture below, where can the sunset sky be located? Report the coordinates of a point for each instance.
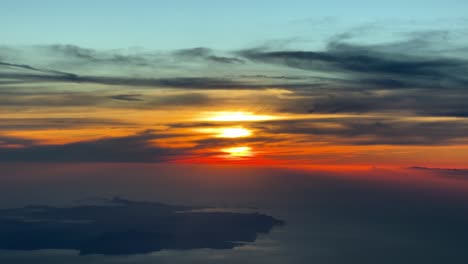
(265, 83)
(270, 132)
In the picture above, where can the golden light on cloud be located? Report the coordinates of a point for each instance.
(238, 116)
(226, 132)
(238, 152)
(234, 132)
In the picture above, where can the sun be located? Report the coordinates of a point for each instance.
(234, 132)
(238, 152)
(238, 116)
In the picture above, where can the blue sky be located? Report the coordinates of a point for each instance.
(217, 24)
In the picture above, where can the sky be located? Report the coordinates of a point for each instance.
(303, 83)
(302, 111)
(215, 24)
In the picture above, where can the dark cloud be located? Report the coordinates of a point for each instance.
(78, 54)
(445, 172)
(123, 227)
(413, 101)
(194, 52)
(201, 83)
(127, 97)
(380, 62)
(29, 67)
(414, 76)
(9, 142)
(372, 131)
(216, 143)
(58, 123)
(283, 77)
(40, 75)
(182, 82)
(346, 130)
(31, 100)
(205, 54)
(185, 99)
(197, 124)
(61, 99)
(136, 148)
(417, 76)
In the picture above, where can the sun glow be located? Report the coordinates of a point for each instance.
(238, 152)
(234, 132)
(238, 116)
(227, 132)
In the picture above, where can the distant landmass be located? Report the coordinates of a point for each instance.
(122, 226)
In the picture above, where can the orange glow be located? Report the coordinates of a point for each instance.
(66, 136)
(238, 152)
(65, 125)
(238, 116)
(227, 132)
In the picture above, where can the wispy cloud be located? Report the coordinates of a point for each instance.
(390, 64)
(205, 54)
(461, 174)
(395, 87)
(135, 148)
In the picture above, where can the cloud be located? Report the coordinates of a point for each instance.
(421, 76)
(50, 99)
(352, 130)
(371, 131)
(28, 67)
(185, 99)
(136, 148)
(127, 97)
(124, 227)
(19, 124)
(105, 99)
(9, 142)
(200, 83)
(409, 102)
(177, 82)
(382, 62)
(461, 174)
(205, 54)
(35, 100)
(78, 54)
(216, 143)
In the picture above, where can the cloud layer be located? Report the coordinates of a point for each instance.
(406, 92)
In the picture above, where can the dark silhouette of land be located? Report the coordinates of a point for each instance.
(127, 227)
